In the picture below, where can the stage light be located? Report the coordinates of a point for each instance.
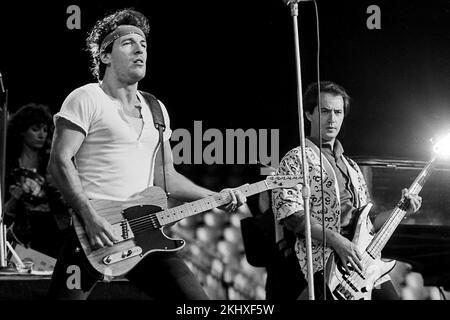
(442, 147)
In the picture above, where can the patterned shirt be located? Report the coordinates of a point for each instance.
(287, 201)
(334, 154)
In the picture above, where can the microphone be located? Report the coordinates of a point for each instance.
(1, 83)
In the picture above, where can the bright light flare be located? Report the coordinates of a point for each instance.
(442, 147)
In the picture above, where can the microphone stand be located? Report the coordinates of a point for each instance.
(4, 244)
(306, 190)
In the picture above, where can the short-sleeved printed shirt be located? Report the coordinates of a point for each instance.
(287, 201)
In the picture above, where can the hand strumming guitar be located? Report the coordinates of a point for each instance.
(347, 251)
(98, 230)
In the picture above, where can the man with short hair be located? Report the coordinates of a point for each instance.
(344, 188)
(107, 127)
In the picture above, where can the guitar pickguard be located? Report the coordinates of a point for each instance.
(133, 224)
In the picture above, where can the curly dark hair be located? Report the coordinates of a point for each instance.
(25, 117)
(310, 96)
(104, 27)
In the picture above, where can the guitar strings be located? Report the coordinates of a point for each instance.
(216, 201)
(382, 237)
(355, 278)
(149, 221)
(152, 221)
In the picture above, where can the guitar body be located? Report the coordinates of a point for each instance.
(138, 223)
(353, 286)
(136, 242)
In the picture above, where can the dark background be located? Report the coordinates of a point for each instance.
(231, 64)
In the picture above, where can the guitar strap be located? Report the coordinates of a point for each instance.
(158, 120)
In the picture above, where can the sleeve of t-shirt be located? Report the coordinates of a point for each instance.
(168, 132)
(77, 108)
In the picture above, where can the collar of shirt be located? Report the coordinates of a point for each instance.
(337, 149)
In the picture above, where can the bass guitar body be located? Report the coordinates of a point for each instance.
(357, 286)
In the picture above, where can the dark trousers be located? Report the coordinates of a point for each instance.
(159, 275)
(285, 280)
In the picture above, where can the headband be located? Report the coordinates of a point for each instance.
(118, 32)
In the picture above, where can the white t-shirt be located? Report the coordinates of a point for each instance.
(114, 162)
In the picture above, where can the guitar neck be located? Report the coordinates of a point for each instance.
(192, 208)
(388, 228)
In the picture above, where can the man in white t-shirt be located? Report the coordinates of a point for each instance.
(106, 146)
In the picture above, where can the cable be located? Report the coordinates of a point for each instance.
(320, 152)
(441, 291)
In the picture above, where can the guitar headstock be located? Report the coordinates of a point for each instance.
(283, 181)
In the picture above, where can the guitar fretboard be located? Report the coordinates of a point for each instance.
(388, 228)
(192, 208)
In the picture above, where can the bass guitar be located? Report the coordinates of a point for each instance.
(358, 286)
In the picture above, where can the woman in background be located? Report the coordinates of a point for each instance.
(34, 211)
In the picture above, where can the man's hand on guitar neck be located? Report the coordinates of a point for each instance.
(237, 200)
(412, 205)
(414, 201)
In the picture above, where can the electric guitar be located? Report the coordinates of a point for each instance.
(356, 286)
(139, 224)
